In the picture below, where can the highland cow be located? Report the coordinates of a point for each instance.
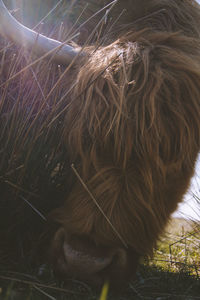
(130, 131)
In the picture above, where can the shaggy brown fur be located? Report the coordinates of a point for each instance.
(133, 127)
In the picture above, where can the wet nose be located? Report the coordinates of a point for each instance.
(79, 257)
(85, 261)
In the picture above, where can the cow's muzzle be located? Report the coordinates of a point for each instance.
(79, 257)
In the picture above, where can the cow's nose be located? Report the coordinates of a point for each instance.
(79, 257)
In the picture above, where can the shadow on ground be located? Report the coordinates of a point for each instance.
(152, 283)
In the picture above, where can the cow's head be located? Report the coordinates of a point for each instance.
(132, 133)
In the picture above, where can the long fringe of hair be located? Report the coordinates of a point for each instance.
(132, 128)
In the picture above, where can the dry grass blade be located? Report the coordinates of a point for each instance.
(34, 209)
(21, 189)
(36, 284)
(47, 15)
(98, 206)
(44, 293)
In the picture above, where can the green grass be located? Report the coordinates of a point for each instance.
(179, 249)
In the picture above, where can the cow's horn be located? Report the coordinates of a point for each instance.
(26, 37)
